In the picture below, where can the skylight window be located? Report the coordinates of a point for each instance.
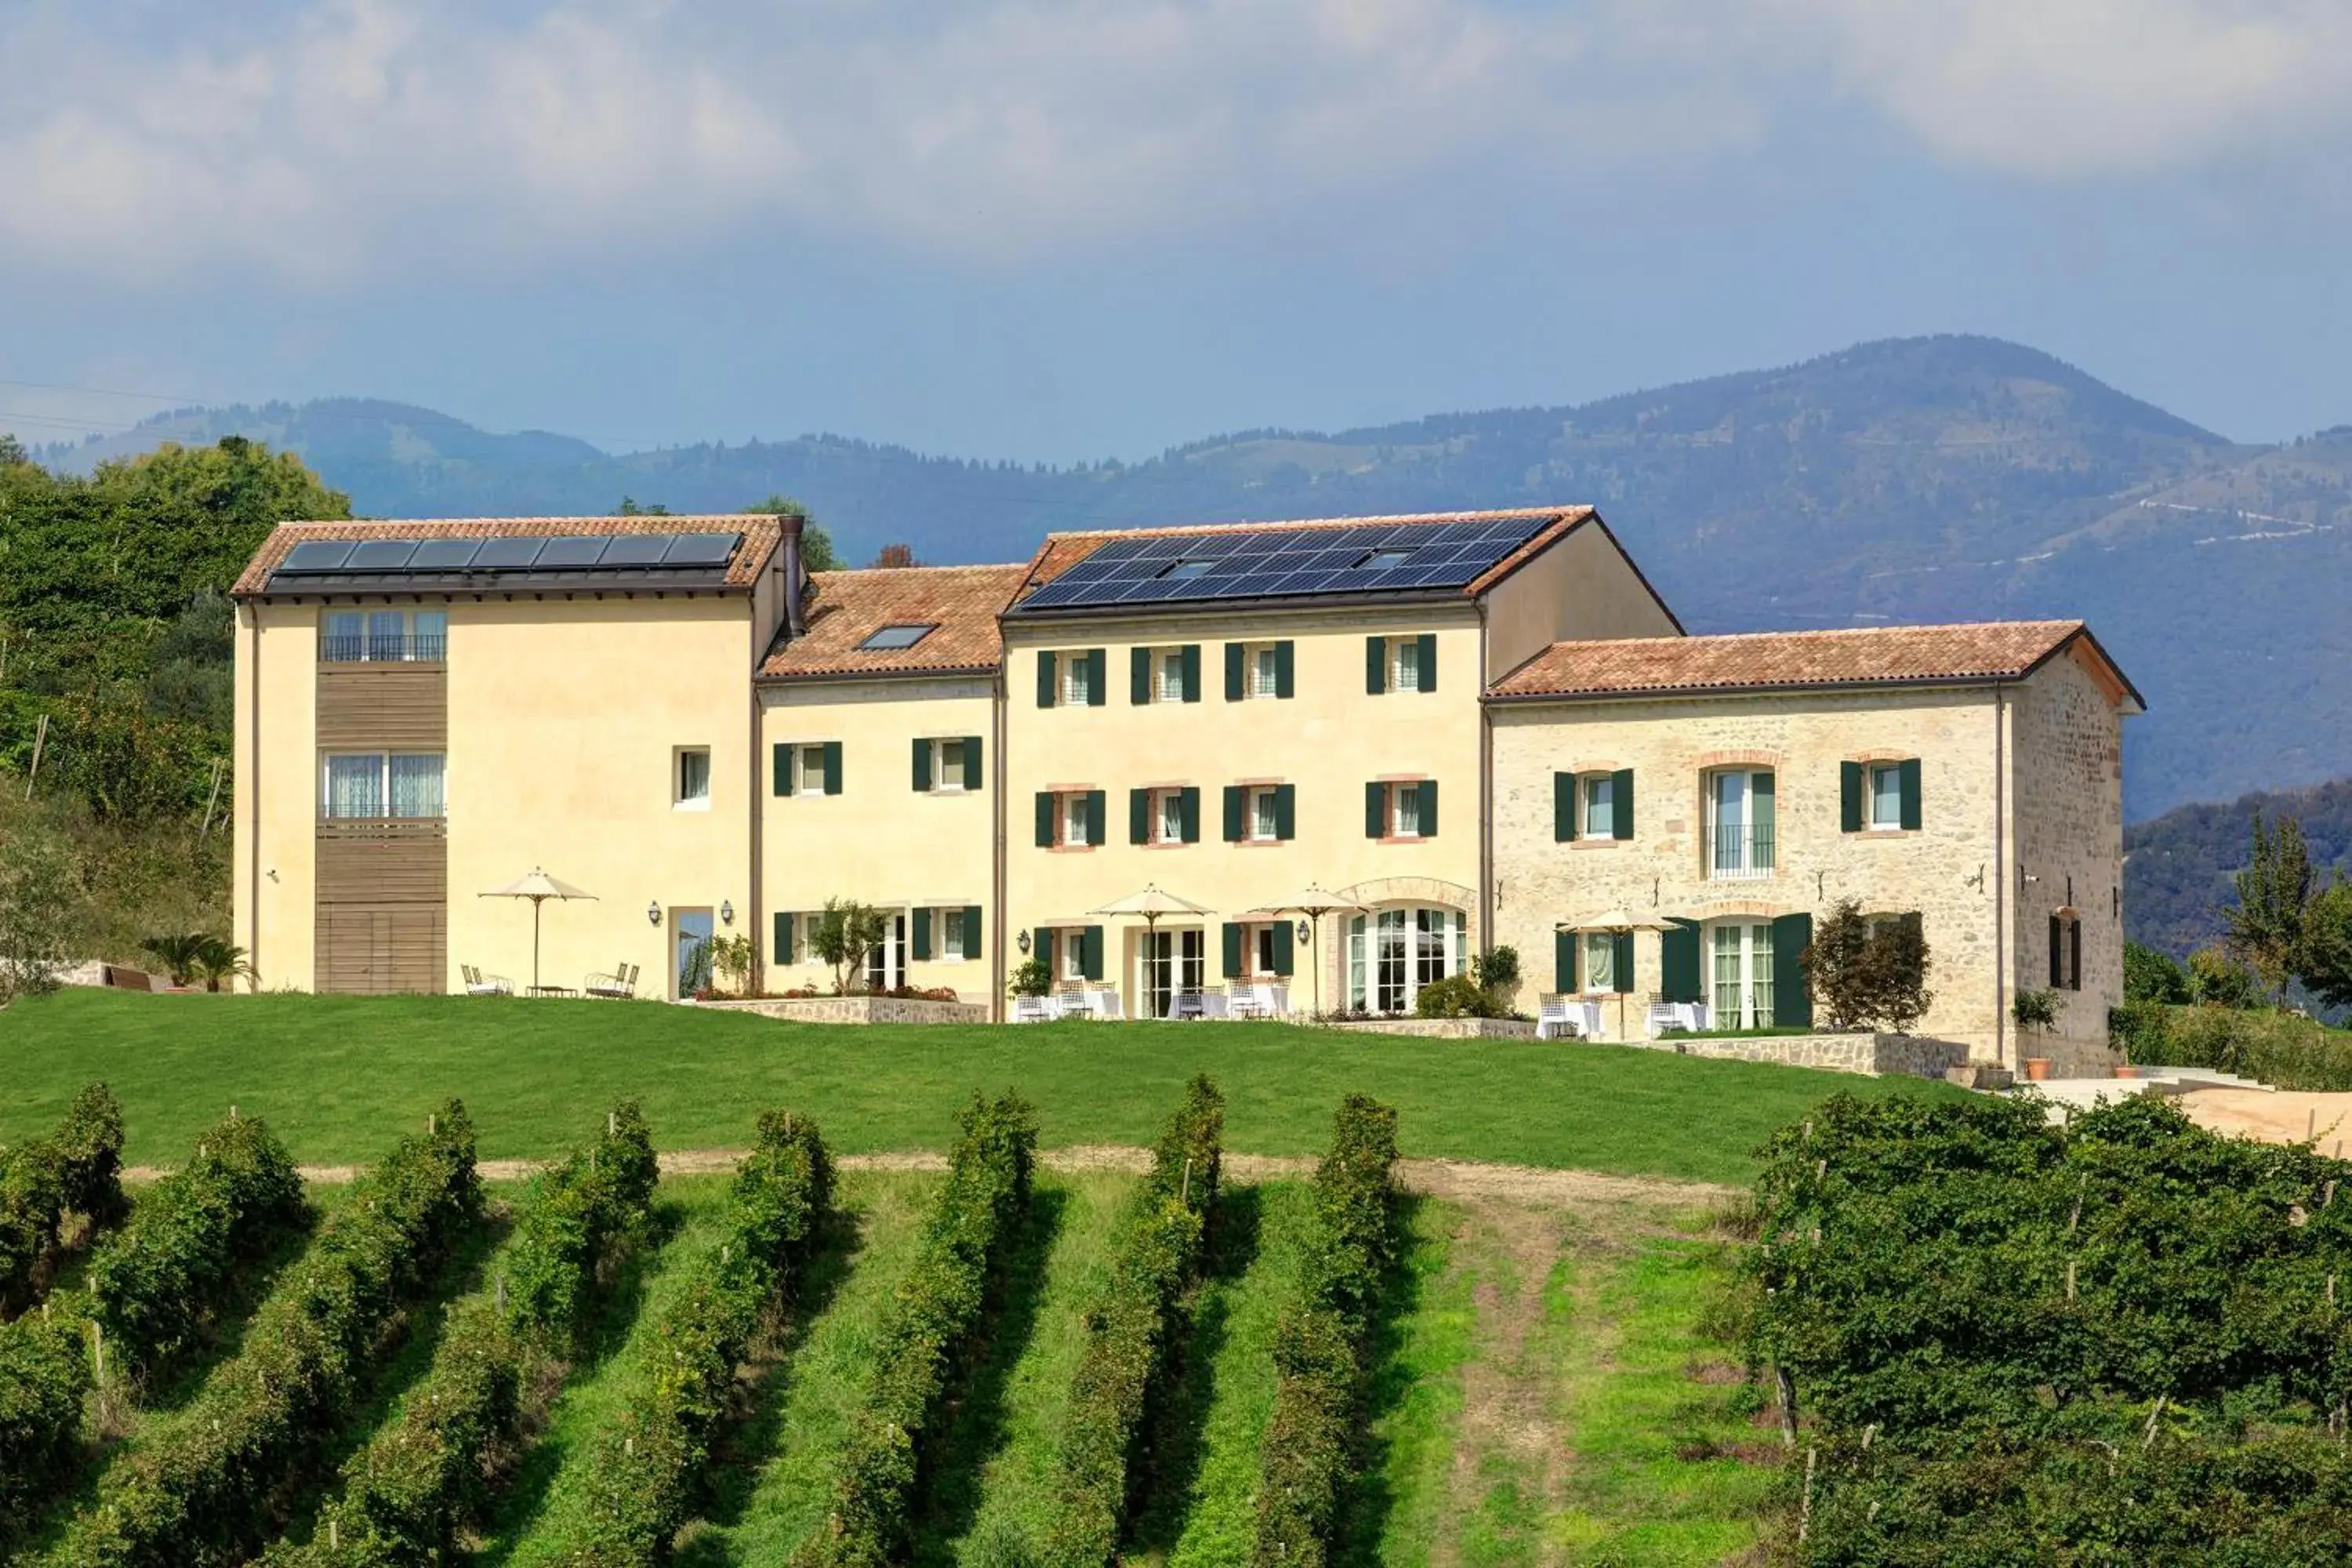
(1384, 559)
(1188, 569)
(890, 637)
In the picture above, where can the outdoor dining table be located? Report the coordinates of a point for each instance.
(1089, 1002)
(551, 991)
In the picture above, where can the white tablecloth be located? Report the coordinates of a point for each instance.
(1093, 1001)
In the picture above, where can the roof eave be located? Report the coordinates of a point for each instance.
(1759, 688)
(928, 672)
(1015, 615)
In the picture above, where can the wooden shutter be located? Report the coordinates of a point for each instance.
(1095, 802)
(1044, 819)
(922, 767)
(1138, 676)
(1284, 956)
(833, 767)
(1188, 811)
(1139, 817)
(920, 920)
(1236, 800)
(1190, 661)
(1428, 788)
(1232, 950)
(972, 773)
(1621, 961)
(1621, 806)
(1563, 961)
(2074, 955)
(1285, 812)
(1098, 676)
(1907, 774)
(1047, 683)
(1849, 783)
(2057, 951)
(1286, 675)
(1235, 657)
(1792, 990)
(1679, 969)
(1563, 808)
(1376, 666)
(1429, 662)
(779, 761)
(1090, 957)
(971, 947)
(1376, 810)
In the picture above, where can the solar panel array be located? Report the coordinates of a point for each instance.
(626, 552)
(1280, 563)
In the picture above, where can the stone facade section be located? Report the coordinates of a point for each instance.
(1876, 1055)
(2067, 743)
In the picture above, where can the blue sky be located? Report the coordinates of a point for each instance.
(1058, 229)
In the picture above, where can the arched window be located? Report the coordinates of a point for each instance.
(1393, 953)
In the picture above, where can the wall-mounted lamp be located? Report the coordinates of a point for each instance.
(726, 913)
(1022, 943)
(1306, 931)
(653, 912)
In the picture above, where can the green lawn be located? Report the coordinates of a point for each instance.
(338, 1077)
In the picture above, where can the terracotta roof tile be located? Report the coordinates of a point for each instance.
(1872, 656)
(1063, 550)
(848, 607)
(760, 534)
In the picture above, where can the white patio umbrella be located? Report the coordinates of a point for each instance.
(1313, 902)
(1151, 903)
(538, 887)
(1619, 922)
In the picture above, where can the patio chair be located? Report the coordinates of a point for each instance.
(1186, 1004)
(621, 986)
(1245, 1000)
(1557, 1015)
(480, 984)
(1073, 1000)
(1274, 999)
(1033, 1010)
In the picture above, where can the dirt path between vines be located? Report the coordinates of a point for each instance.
(1434, 1178)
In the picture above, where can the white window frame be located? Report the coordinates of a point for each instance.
(1404, 664)
(1398, 793)
(1077, 685)
(1745, 869)
(1258, 949)
(1070, 940)
(1265, 670)
(414, 625)
(1405, 927)
(1603, 943)
(1588, 789)
(382, 760)
(1167, 675)
(1753, 978)
(1264, 822)
(679, 799)
(951, 937)
(808, 768)
(946, 780)
(1070, 806)
(1872, 772)
(1168, 817)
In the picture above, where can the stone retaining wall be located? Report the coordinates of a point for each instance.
(857, 1010)
(1446, 1028)
(1879, 1056)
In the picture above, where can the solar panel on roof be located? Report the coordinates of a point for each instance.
(444, 555)
(635, 550)
(701, 549)
(380, 555)
(507, 554)
(570, 554)
(317, 555)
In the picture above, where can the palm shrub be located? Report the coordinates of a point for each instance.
(424, 1474)
(642, 1472)
(926, 1334)
(76, 1170)
(197, 1488)
(1319, 1346)
(180, 953)
(1154, 1260)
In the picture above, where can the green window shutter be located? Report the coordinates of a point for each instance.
(1138, 676)
(1908, 772)
(1045, 678)
(972, 773)
(920, 920)
(1096, 800)
(1285, 673)
(1563, 961)
(1792, 991)
(1190, 659)
(1621, 961)
(1097, 668)
(1090, 946)
(1285, 812)
(1563, 808)
(1285, 958)
(1678, 961)
(1044, 819)
(1234, 655)
(1376, 810)
(833, 767)
(1848, 797)
(1621, 802)
(1235, 799)
(781, 762)
(2074, 955)
(1428, 788)
(1376, 666)
(781, 950)
(2057, 953)
(922, 767)
(1188, 806)
(971, 946)
(1429, 662)
(1139, 817)
(1232, 950)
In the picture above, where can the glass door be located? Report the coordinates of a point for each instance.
(1172, 962)
(1742, 986)
(1391, 962)
(886, 961)
(693, 927)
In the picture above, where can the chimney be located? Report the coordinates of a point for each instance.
(795, 576)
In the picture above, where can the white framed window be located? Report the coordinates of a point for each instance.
(1741, 954)
(1404, 811)
(1265, 670)
(1599, 957)
(1886, 796)
(808, 769)
(1077, 808)
(947, 767)
(1264, 813)
(1073, 953)
(376, 785)
(1599, 805)
(1742, 817)
(1393, 953)
(1261, 950)
(387, 635)
(1168, 817)
(1078, 681)
(1167, 675)
(690, 778)
(1404, 664)
(951, 935)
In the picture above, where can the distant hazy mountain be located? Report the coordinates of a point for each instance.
(1927, 477)
(2179, 869)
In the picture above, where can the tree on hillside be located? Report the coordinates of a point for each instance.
(2152, 976)
(816, 545)
(2324, 961)
(2265, 928)
(631, 507)
(37, 892)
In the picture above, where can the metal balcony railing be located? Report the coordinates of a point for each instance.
(384, 649)
(1742, 851)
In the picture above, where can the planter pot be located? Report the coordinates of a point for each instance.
(2125, 1069)
(2037, 1068)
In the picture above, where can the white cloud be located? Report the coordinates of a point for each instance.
(322, 139)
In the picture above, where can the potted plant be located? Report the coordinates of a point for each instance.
(2033, 1012)
(1030, 978)
(181, 956)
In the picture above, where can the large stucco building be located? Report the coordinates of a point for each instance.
(1474, 729)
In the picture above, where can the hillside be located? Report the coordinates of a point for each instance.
(2178, 866)
(1915, 478)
